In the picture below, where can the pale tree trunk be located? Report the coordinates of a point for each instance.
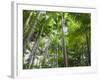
(34, 48)
(28, 20)
(63, 44)
(56, 50)
(46, 53)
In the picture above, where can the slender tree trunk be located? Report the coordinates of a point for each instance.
(57, 50)
(88, 50)
(28, 19)
(37, 44)
(31, 30)
(46, 54)
(27, 40)
(34, 49)
(63, 43)
(57, 55)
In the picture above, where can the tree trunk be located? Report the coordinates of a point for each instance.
(37, 44)
(28, 19)
(35, 48)
(63, 44)
(88, 50)
(31, 30)
(46, 54)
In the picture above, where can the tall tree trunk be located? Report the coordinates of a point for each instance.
(27, 40)
(31, 30)
(56, 51)
(28, 20)
(46, 54)
(88, 50)
(63, 43)
(34, 48)
(31, 61)
(37, 43)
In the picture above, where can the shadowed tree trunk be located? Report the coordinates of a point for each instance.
(37, 42)
(27, 40)
(88, 50)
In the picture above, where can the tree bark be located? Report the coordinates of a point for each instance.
(31, 30)
(34, 49)
(63, 44)
(88, 50)
(37, 43)
(28, 19)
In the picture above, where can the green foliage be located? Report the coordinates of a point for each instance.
(48, 33)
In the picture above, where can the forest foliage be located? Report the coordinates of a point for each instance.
(56, 39)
